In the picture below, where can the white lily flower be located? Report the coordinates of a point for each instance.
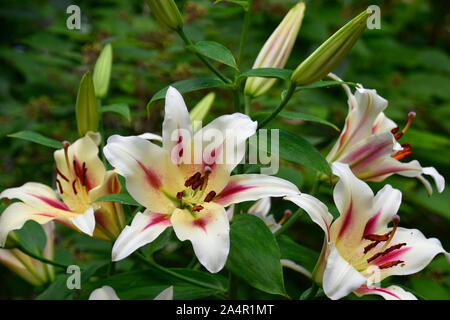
(81, 179)
(179, 191)
(360, 250)
(368, 142)
(108, 293)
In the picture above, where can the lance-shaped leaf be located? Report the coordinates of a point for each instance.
(254, 254)
(215, 51)
(86, 106)
(36, 138)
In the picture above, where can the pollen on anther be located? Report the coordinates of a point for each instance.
(210, 196)
(197, 208)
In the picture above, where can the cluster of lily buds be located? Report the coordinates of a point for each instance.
(166, 13)
(276, 50)
(31, 270)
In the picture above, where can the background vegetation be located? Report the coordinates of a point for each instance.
(42, 61)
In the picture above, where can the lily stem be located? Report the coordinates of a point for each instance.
(244, 33)
(208, 64)
(37, 257)
(280, 107)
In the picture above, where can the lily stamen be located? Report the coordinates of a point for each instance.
(406, 151)
(286, 215)
(398, 135)
(60, 188)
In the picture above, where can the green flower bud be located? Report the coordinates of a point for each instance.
(276, 50)
(102, 72)
(331, 52)
(201, 109)
(166, 13)
(86, 106)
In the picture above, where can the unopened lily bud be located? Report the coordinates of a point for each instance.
(276, 50)
(102, 72)
(325, 58)
(86, 106)
(166, 13)
(201, 109)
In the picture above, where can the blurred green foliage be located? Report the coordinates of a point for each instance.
(406, 61)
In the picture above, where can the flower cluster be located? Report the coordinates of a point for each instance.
(190, 180)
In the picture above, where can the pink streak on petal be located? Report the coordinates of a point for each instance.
(52, 202)
(370, 225)
(201, 223)
(230, 190)
(365, 289)
(152, 177)
(45, 215)
(157, 218)
(212, 157)
(347, 220)
(394, 255)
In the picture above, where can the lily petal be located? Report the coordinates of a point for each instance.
(260, 208)
(223, 143)
(415, 255)
(317, 211)
(386, 205)
(364, 108)
(250, 187)
(340, 278)
(147, 169)
(37, 195)
(354, 200)
(104, 293)
(144, 228)
(389, 293)
(177, 127)
(85, 222)
(82, 153)
(150, 136)
(166, 294)
(15, 216)
(209, 234)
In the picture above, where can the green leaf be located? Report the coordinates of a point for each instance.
(297, 150)
(188, 284)
(189, 85)
(296, 116)
(298, 253)
(243, 3)
(283, 74)
(123, 198)
(215, 51)
(36, 138)
(254, 254)
(59, 290)
(32, 237)
(120, 108)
